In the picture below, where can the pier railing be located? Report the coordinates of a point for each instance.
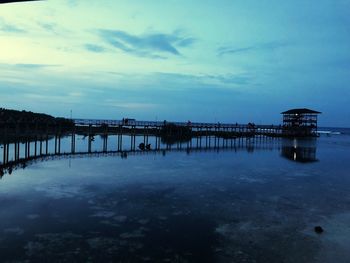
(37, 140)
(135, 123)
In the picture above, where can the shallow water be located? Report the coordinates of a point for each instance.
(246, 205)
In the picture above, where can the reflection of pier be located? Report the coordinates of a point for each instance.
(299, 150)
(26, 141)
(25, 152)
(31, 139)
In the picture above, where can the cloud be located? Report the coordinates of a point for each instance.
(225, 50)
(49, 27)
(24, 66)
(130, 105)
(26, 73)
(211, 80)
(9, 28)
(186, 42)
(147, 45)
(75, 94)
(94, 48)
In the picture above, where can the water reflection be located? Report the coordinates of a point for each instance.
(244, 203)
(299, 150)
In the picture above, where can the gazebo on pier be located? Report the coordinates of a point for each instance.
(300, 122)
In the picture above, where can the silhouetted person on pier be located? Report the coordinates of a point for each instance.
(148, 147)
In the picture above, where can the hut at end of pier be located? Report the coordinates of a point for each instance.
(300, 123)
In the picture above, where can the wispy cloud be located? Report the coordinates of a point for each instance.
(25, 73)
(208, 79)
(225, 50)
(94, 48)
(24, 66)
(10, 28)
(130, 105)
(48, 27)
(147, 45)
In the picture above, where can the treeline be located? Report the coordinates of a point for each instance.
(8, 116)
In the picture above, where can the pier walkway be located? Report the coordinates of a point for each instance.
(155, 124)
(250, 128)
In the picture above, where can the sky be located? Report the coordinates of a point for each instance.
(208, 60)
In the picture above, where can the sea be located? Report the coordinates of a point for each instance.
(246, 200)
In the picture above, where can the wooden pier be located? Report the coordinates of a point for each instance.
(198, 128)
(25, 141)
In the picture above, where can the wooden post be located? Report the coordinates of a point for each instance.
(89, 139)
(106, 139)
(18, 150)
(131, 138)
(35, 146)
(47, 144)
(118, 141)
(28, 155)
(73, 140)
(206, 138)
(105, 143)
(121, 138)
(59, 139)
(41, 146)
(159, 138)
(25, 149)
(4, 154)
(134, 138)
(55, 143)
(146, 135)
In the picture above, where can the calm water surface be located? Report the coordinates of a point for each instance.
(245, 205)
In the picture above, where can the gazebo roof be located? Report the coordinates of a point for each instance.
(301, 111)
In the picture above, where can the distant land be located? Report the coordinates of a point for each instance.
(15, 116)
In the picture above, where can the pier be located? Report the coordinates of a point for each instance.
(27, 140)
(123, 138)
(22, 141)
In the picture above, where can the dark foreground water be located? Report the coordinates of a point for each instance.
(258, 204)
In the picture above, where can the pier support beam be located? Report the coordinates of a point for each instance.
(41, 146)
(5, 153)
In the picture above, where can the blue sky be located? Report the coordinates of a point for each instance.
(224, 60)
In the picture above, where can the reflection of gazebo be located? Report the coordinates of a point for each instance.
(300, 122)
(299, 150)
